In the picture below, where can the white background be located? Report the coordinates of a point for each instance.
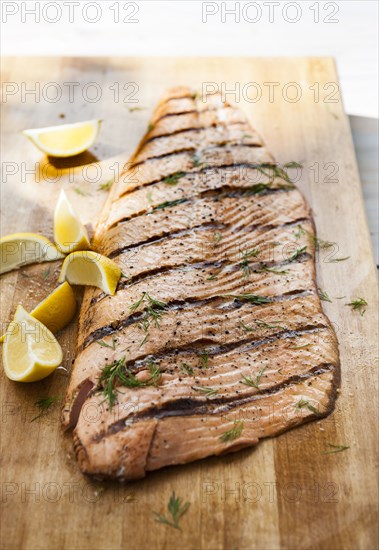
(176, 28)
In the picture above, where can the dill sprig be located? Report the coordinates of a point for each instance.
(79, 191)
(174, 178)
(233, 433)
(206, 390)
(217, 237)
(204, 359)
(256, 189)
(154, 310)
(168, 204)
(293, 164)
(304, 403)
(324, 296)
(252, 298)
(176, 510)
(265, 269)
(186, 368)
(358, 305)
(303, 346)
(299, 232)
(335, 260)
(254, 382)
(43, 404)
(271, 324)
(319, 243)
(117, 372)
(106, 186)
(298, 253)
(245, 264)
(196, 159)
(106, 345)
(335, 449)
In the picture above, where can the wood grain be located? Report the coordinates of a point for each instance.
(284, 494)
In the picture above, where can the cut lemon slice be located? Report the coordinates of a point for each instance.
(65, 140)
(57, 310)
(26, 248)
(90, 268)
(69, 232)
(30, 351)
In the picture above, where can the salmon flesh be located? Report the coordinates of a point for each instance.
(216, 336)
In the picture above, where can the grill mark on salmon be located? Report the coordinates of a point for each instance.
(156, 170)
(173, 130)
(194, 139)
(182, 121)
(164, 449)
(140, 161)
(202, 227)
(139, 203)
(222, 357)
(220, 327)
(244, 174)
(163, 237)
(116, 324)
(194, 406)
(288, 207)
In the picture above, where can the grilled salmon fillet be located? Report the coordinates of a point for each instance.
(216, 336)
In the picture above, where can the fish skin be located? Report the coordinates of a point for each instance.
(207, 152)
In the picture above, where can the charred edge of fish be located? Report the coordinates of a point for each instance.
(202, 406)
(201, 227)
(236, 303)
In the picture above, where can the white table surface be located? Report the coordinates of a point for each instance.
(182, 28)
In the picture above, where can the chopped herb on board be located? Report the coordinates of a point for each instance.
(358, 305)
(176, 509)
(43, 404)
(335, 449)
(324, 296)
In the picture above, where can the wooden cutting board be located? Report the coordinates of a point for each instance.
(285, 493)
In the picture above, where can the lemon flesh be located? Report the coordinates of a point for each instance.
(30, 350)
(65, 140)
(91, 268)
(69, 232)
(57, 310)
(22, 249)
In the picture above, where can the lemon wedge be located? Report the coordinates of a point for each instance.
(69, 232)
(91, 268)
(26, 248)
(57, 310)
(30, 351)
(65, 140)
